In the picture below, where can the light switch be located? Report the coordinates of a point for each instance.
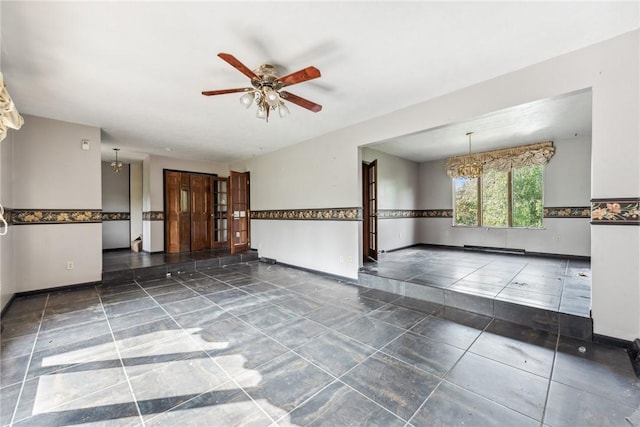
(85, 144)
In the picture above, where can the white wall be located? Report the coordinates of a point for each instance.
(135, 191)
(567, 180)
(324, 172)
(398, 188)
(115, 198)
(321, 174)
(7, 276)
(51, 171)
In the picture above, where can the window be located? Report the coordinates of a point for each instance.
(500, 199)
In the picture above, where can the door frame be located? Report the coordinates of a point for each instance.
(240, 223)
(370, 211)
(164, 201)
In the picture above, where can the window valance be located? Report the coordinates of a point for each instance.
(505, 159)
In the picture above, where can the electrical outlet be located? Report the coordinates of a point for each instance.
(349, 259)
(69, 265)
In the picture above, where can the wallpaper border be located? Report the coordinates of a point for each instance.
(54, 216)
(615, 211)
(414, 213)
(153, 216)
(116, 216)
(567, 212)
(328, 214)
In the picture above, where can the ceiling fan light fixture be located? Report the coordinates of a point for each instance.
(267, 88)
(247, 99)
(262, 112)
(271, 97)
(283, 111)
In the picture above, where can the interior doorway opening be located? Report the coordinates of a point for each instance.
(205, 211)
(370, 211)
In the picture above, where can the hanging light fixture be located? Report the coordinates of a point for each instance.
(265, 93)
(116, 165)
(472, 168)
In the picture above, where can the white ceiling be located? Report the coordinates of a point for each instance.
(552, 119)
(136, 69)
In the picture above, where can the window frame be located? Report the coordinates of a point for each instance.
(480, 204)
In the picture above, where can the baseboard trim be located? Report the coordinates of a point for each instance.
(58, 289)
(322, 273)
(614, 342)
(504, 250)
(7, 305)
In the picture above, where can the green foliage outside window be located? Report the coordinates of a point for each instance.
(466, 199)
(527, 196)
(521, 208)
(495, 199)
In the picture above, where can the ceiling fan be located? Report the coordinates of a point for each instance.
(267, 86)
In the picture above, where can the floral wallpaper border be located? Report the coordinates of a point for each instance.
(567, 212)
(7, 216)
(623, 211)
(414, 213)
(153, 216)
(54, 216)
(116, 216)
(331, 214)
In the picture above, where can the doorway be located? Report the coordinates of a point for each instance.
(370, 211)
(204, 211)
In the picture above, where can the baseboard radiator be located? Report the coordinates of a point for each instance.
(495, 250)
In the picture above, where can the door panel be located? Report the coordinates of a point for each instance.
(239, 225)
(199, 187)
(172, 211)
(185, 213)
(220, 221)
(370, 211)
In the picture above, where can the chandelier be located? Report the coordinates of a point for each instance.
(116, 165)
(473, 169)
(265, 93)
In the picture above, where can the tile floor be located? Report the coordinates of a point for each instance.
(258, 344)
(551, 283)
(115, 260)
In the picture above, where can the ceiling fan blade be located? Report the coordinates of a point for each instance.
(237, 65)
(303, 75)
(304, 103)
(223, 91)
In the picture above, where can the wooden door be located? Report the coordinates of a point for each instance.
(219, 213)
(172, 211)
(239, 224)
(370, 211)
(200, 188)
(184, 215)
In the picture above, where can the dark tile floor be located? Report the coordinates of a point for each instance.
(121, 259)
(258, 344)
(556, 284)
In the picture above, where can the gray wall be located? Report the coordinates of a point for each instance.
(49, 170)
(115, 199)
(567, 180)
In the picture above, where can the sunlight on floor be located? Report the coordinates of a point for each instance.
(149, 374)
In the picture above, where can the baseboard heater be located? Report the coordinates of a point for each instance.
(496, 250)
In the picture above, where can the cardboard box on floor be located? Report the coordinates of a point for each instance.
(136, 245)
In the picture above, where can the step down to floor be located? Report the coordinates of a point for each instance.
(128, 275)
(538, 318)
